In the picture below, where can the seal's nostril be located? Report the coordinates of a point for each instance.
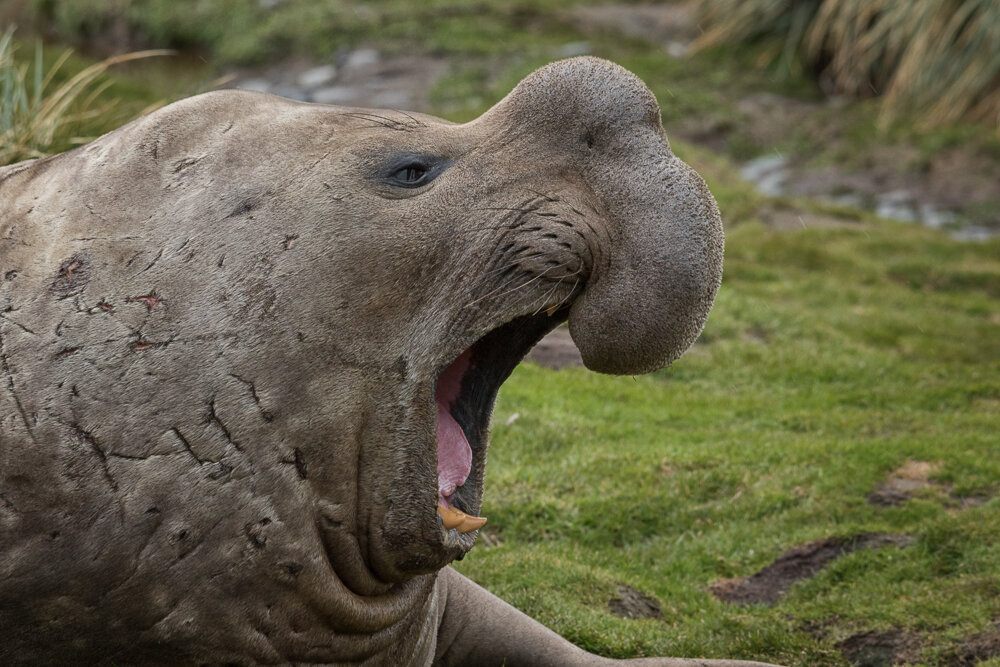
(588, 139)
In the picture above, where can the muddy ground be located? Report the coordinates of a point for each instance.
(771, 583)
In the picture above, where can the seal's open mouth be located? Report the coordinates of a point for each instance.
(465, 392)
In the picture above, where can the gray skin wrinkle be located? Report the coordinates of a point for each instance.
(220, 332)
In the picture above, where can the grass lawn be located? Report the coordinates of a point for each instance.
(835, 355)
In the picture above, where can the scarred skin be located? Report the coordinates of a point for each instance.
(220, 332)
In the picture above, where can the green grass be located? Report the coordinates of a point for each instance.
(831, 358)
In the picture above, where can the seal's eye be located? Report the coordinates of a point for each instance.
(411, 174)
(412, 170)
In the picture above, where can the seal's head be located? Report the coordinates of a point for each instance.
(562, 201)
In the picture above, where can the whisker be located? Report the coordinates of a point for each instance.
(556, 286)
(489, 294)
(537, 277)
(514, 263)
(568, 294)
(546, 297)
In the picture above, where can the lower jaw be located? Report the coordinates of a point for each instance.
(410, 539)
(400, 560)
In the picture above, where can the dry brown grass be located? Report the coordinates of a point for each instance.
(938, 60)
(40, 111)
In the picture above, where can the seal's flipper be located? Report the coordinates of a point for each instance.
(478, 628)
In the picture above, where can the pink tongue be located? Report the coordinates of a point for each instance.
(454, 455)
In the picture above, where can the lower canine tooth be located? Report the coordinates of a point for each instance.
(472, 523)
(453, 518)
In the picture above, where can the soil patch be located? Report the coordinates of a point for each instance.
(914, 477)
(630, 603)
(979, 647)
(557, 350)
(880, 648)
(904, 483)
(801, 562)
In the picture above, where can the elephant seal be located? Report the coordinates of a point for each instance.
(249, 349)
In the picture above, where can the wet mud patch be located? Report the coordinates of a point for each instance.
(880, 648)
(913, 479)
(802, 562)
(631, 603)
(557, 350)
(904, 483)
(979, 647)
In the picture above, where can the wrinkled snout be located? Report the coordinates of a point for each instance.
(648, 302)
(659, 263)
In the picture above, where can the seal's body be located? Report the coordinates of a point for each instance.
(249, 348)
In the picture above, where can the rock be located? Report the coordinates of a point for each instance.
(676, 49)
(572, 49)
(767, 172)
(337, 95)
(260, 85)
(390, 99)
(936, 218)
(291, 92)
(314, 77)
(361, 58)
(896, 205)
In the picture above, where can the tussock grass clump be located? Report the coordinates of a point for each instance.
(937, 59)
(40, 109)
